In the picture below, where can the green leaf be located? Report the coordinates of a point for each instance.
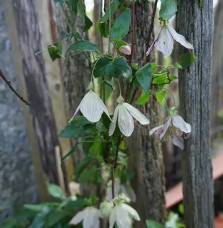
(82, 166)
(144, 98)
(91, 176)
(55, 191)
(54, 216)
(152, 224)
(168, 9)
(144, 77)
(79, 127)
(41, 219)
(122, 161)
(82, 11)
(103, 29)
(114, 7)
(160, 95)
(112, 68)
(121, 25)
(81, 46)
(34, 207)
(70, 153)
(185, 60)
(55, 51)
(119, 43)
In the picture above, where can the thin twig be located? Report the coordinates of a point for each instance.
(13, 90)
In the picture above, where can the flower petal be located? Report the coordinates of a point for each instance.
(136, 114)
(91, 220)
(180, 38)
(155, 129)
(78, 108)
(122, 217)
(178, 141)
(78, 217)
(112, 218)
(153, 44)
(179, 123)
(125, 49)
(114, 120)
(103, 106)
(131, 211)
(166, 125)
(165, 42)
(91, 107)
(125, 121)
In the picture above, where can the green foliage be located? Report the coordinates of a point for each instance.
(55, 50)
(121, 25)
(47, 215)
(144, 98)
(109, 67)
(114, 7)
(79, 127)
(168, 9)
(160, 96)
(185, 60)
(152, 224)
(144, 77)
(81, 46)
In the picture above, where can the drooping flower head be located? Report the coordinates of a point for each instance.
(125, 49)
(174, 127)
(165, 40)
(91, 107)
(125, 113)
(122, 215)
(90, 217)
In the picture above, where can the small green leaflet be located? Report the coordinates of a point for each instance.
(152, 224)
(144, 98)
(160, 95)
(144, 77)
(82, 11)
(185, 60)
(202, 3)
(55, 51)
(79, 127)
(121, 25)
(55, 191)
(168, 9)
(112, 68)
(114, 7)
(81, 46)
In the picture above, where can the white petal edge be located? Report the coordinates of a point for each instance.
(152, 131)
(178, 141)
(131, 211)
(166, 125)
(125, 121)
(112, 218)
(180, 38)
(165, 42)
(179, 123)
(114, 120)
(153, 44)
(78, 108)
(136, 114)
(78, 217)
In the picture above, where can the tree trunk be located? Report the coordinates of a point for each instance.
(29, 36)
(147, 160)
(196, 24)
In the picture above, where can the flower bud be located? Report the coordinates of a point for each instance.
(105, 208)
(126, 50)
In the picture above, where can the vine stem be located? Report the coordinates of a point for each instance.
(126, 97)
(12, 89)
(109, 25)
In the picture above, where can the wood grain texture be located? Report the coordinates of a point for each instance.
(196, 24)
(29, 36)
(147, 158)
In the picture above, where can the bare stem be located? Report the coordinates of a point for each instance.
(13, 90)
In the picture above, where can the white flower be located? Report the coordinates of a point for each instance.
(165, 41)
(105, 209)
(90, 217)
(174, 127)
(125, 49)
(91, 107)
(121, 215)
(125, 113)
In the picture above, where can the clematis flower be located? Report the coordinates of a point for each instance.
(90, 217)
(121, 215)
(125, 113)
(125, 49)
(174, 127)
(91, 107)
(165, 41)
